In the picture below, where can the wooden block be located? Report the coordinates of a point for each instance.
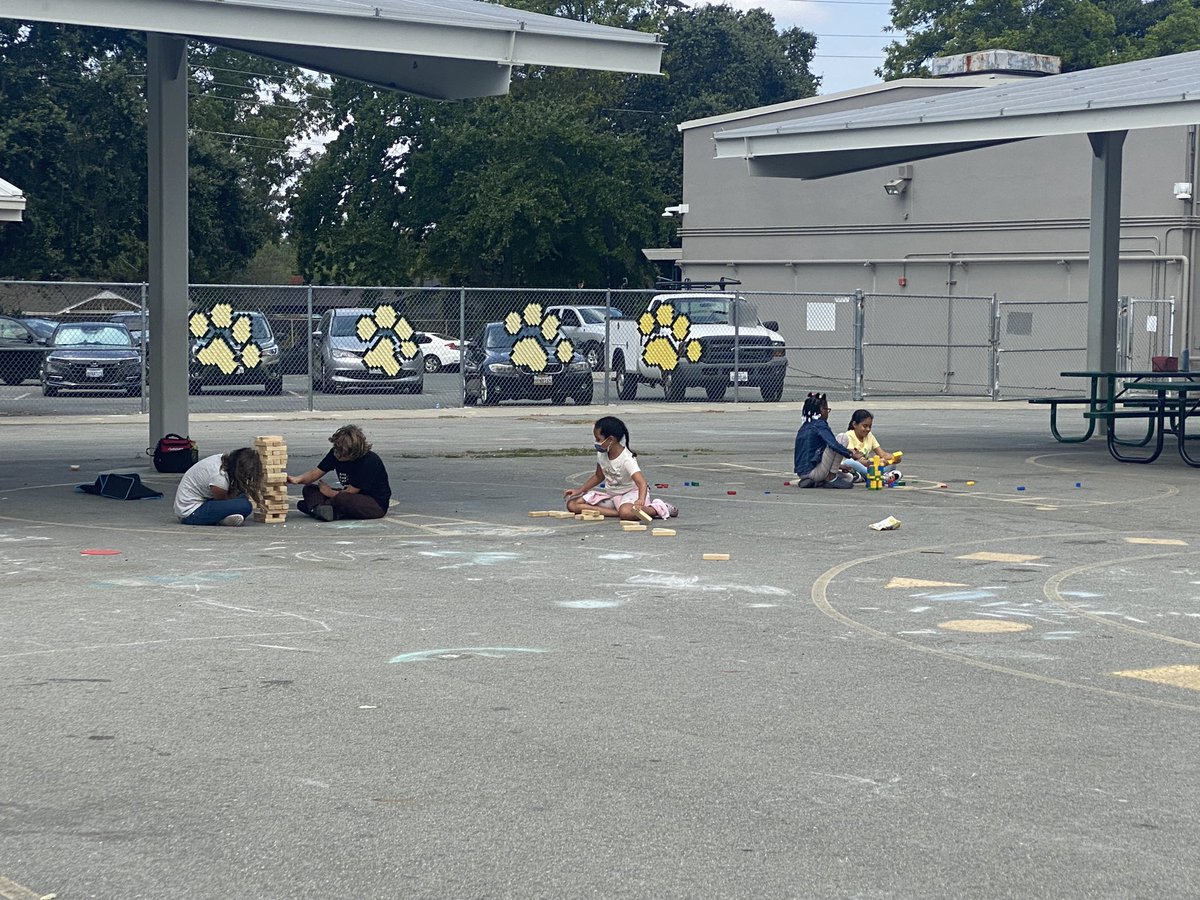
(277, 478)
(663, 532)
(538, 513)
(561, 514)
(645, 516)
(716, 557)
(588, 518)
(632, 526)
(578, 515)
(268, 439)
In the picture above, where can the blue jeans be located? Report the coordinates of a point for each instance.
(212, 512)
(862, 469)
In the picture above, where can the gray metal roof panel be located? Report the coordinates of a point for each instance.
(1168, 79)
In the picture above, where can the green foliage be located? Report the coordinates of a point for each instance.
(1084, 33)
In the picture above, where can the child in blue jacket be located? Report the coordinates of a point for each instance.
(818, 454)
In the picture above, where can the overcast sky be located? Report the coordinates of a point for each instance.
(850, 36)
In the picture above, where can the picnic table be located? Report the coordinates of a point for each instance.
(1167, 412)
(1104, 401)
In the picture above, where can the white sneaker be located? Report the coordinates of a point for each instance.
(233, 521)
(893, 476)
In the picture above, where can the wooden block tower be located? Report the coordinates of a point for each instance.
(273, 451)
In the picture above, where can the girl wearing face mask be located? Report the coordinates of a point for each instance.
(617, 487)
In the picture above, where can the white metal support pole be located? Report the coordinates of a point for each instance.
(166, 88)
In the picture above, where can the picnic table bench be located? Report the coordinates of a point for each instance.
(1167, 412)
(1106, 403)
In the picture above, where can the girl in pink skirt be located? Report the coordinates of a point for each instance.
(617, 487)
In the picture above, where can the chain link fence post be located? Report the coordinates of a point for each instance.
(462, 346)
(309, 341)
(737, 344)
(1124, 338)
(860, 309)
(995, 347)
(607, 338)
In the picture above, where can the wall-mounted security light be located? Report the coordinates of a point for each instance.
(899, 185)
(679, 210)
(1183, 190)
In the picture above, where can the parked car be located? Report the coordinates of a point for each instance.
(92, 356)
(440, 352)
(338, 357)
(134, 321)
(266, 372)
(584, 325)
(21, 351)
(490, 375)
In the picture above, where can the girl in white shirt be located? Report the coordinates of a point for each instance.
(860, 438)
(617, 487)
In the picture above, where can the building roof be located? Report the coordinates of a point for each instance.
(12, 202)
(884, 87)
(448, 49)
(1148, 93)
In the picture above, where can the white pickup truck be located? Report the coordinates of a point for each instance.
(687, 339)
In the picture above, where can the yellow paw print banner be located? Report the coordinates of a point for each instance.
(666, 338)
(390, 338)
(226, 340)
(539, 339)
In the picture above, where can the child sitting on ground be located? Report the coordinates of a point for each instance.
(218, 489)
(818, 455)
(624, 491)
(859, 437)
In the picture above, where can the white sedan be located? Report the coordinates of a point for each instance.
(441, 352)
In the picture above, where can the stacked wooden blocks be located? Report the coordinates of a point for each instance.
(273, 451)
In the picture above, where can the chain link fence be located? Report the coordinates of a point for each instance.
(293, 348)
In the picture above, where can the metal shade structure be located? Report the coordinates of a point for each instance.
(446, 50)
(1102, 103)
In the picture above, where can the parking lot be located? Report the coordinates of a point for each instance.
(997, 699)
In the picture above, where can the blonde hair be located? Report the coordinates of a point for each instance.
(349, 442)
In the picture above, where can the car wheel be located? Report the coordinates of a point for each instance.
(594, 355)
(487, 395)
(626, 384)
(583, 394)
(432, 364)
(48, 391)
(135, 391)
(715, 391)
(772, 390)
(194, 385)
(12, 378)
(672, 388)
(273, 387)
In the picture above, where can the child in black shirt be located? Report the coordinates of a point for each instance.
(364, 492)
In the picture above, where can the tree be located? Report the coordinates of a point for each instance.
(73, 137)
(1084, 33)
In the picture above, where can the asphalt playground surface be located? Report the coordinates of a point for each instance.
(1001, 698)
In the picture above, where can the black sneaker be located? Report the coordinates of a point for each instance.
(324, 512)
(806, 483)
(301, 506)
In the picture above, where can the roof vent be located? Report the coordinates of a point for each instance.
(1008, 62)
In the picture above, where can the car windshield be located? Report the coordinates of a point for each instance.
(496, 338)
(345, 325)
(43, 328)
(91, 336)
(710, 311)
(595, 315)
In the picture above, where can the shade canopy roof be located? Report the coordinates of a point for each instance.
(448, 49)
(1148, 93)
(12, 202)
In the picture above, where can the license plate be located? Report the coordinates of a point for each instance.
(94, 372)
(741, 377)
(543, 380)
